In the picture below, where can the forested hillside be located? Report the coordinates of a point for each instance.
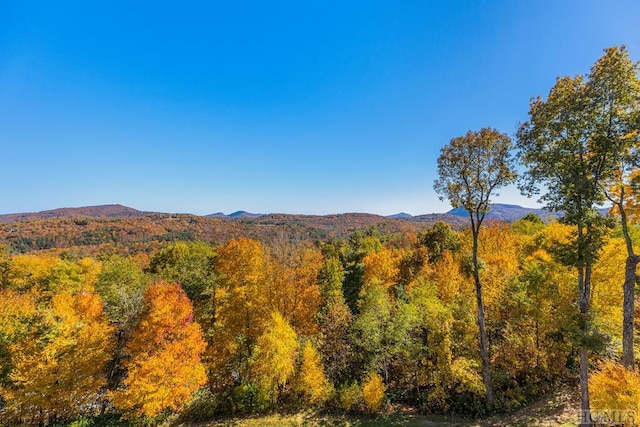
(130, 235)
(361, 323)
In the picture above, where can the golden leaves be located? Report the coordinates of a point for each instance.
(58, 364)
(614, 388)
(165, 367)
(273, 362)
(312, 382)
(373, 392)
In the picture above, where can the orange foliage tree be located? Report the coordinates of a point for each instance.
(296, 291)
(165, 368)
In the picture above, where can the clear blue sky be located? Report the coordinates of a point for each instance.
(301, 107)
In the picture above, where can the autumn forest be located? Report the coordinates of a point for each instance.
(127, 321)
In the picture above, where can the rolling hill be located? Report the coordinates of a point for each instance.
(121, 229)
(102, 211)
(90, 235)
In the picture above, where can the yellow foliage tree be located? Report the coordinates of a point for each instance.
(16, 313)
(615, 393)
(448, 279)
(465, 377)
(313, 384)
(243, 311)
(29, 270)
(373, 390)
(15, 309)
(53, 274)
(165, 367)
(498, 251)
(58, 367)
(382, 267)
(273, 361)
(607, 292)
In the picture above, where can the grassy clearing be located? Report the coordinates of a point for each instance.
(557, 409)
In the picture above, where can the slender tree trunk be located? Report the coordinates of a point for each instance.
(484, 345)
(537, 343)
(628, 309)
(584, 284)
(585, 406)
(628, 304)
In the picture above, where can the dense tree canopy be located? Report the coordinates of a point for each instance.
(411, 337)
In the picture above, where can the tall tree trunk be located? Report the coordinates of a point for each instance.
(628, 309)
(585, 406)
(484, 346)
(628, 304)
(584, 285)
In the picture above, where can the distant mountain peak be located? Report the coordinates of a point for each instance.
(504, 212)
(400, 215)
(244, 214)
(236, 214)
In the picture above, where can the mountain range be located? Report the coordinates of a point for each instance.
(499, 211)
(236, 214)
(122, 229)
(506, 212)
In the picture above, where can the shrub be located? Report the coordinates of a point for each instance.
(615, 393)
(203, 406)
(373, 392)
(349, 396)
